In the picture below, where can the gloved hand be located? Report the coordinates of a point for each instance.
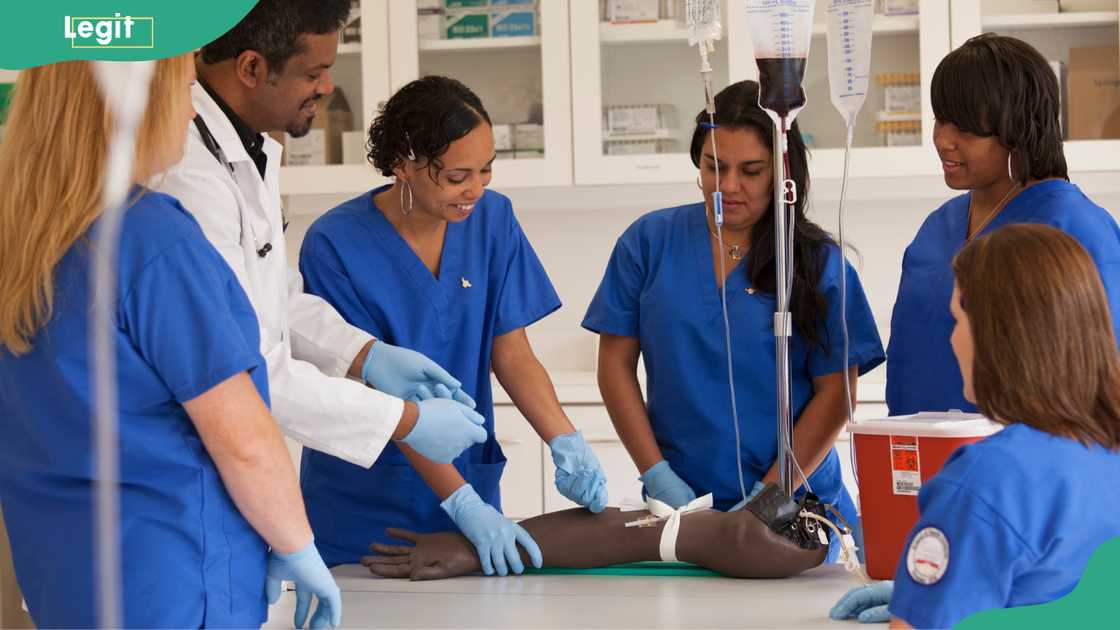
(444, 429)
(869, 602)
(664, 485)
(755, 489)
(579, 476)
(400, 372)
(305, 567)
(494, 536)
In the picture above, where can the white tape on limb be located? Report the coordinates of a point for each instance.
(673, 525)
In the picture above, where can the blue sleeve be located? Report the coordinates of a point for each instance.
(526, 293)
(865, 349)
(983, 555)
(616, 307)
(181, 314)
(325, 275)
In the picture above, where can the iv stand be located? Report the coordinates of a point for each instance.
(782, 324)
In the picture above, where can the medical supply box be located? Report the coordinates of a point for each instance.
(894, 457)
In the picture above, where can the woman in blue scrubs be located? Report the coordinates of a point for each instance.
(206, 483)
(999, 138)
(660, 298)
(437, 263)
(1035, 344)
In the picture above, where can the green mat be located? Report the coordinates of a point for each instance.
(654, 569)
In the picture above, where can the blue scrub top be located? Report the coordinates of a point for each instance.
(1013, 533)
(660, 287)
(184, 325)
(922, 372)
(490, 283)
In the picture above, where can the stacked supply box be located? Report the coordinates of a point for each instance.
(469, 19)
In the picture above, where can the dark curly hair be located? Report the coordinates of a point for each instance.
(273, 29)
(1000, 86)
(422, 119)
(737, 108)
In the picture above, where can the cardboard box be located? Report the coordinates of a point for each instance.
(1093, 99)
(513, 23)
(900, 7)
(323, 144)
(503, 137)
(353, 147)
(429, 23)
(631, 11)
(1010, 7)
(528, 137)
(466, 24)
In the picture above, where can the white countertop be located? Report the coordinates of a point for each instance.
(584, 601)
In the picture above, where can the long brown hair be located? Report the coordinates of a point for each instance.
(1045, 352)
(52, 162)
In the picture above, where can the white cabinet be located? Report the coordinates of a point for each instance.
(1054, 35)
(523, 478)
(627, 65)
(520, 80)
(361, 71)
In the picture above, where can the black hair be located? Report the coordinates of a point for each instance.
(737, 108)
(420, 121)
(274, 28)
(1001, 86)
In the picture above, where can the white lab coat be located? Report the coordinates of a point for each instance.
(307, 344)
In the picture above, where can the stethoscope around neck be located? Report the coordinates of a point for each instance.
(211, 144)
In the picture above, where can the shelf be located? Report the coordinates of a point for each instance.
(479, 43)
(1034, 21)
(660, 134)
(328, 180)
(881, 25)
(643, 32)
(350, 48)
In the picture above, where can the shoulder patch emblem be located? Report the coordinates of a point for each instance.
(928, 557)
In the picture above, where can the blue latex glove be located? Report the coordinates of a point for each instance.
(494, 536)
(579, 476)
(868, 602)
(664, 485)
(755, 489)
(444, 429)
(305, 567)
(399, 372)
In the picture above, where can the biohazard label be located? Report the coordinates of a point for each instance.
(906, 467)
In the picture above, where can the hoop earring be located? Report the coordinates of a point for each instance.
(698, 185)
(406, 211)
(1009, 174)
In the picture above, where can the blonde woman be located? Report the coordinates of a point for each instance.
(206, 485)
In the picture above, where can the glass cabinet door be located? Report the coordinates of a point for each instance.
(514, 54)
(331, 159)
(636, 91)
(893, 132)
(1081, 39)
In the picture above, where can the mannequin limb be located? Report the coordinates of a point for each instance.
(736, 544)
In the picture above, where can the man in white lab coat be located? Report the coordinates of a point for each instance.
(269, 73)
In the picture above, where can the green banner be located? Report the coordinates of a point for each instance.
(1090, 605)
(44, 32)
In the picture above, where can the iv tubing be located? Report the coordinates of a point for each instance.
(844, 303)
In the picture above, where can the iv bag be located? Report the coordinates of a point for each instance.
(849, 55)
(703, 20)
(782, 31)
